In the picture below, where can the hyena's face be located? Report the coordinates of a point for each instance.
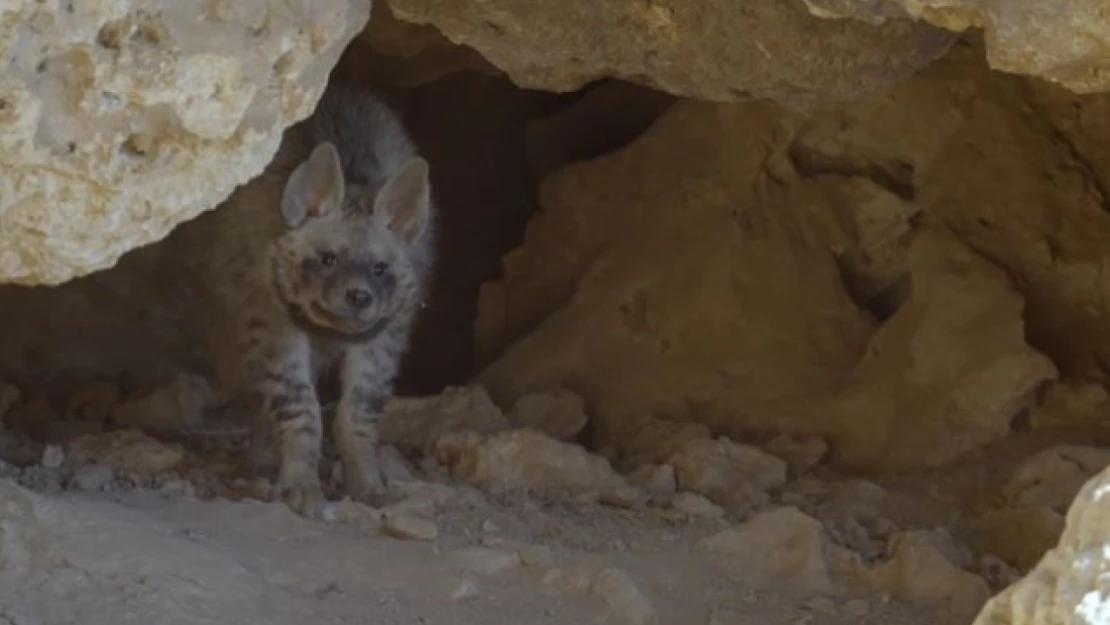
(344, 266)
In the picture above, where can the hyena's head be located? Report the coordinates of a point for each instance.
(344, 264)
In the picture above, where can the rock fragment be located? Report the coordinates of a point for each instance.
(561, 414)
(525, 459)
(415, 424)
(780, 547)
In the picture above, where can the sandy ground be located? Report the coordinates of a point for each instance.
(118, 527)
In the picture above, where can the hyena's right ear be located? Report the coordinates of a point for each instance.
(315, 187)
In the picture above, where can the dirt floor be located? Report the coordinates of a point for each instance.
(500, 525)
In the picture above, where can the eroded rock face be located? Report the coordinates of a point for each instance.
(120, 120)
(711, 50)
(849, 274)
(1023, 36)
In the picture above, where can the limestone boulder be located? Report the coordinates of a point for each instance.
(1071, 583)
(1022, 36)
(120, 120)
(720, 51)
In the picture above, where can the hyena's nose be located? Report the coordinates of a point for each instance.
(358, 299)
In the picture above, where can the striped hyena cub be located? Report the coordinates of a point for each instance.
(318, 265)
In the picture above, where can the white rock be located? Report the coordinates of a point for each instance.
(561, 414)
(152, 117)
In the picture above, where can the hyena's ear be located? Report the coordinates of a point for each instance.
(315, 187)
(405, 202)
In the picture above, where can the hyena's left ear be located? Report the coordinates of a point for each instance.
(405, 202)
(315, 187)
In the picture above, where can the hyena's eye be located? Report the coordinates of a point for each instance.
(328, 259)
(379, 268)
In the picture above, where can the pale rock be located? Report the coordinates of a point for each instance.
(654, 478)
(776, 547)
(415, 424)
(176, 407)
(801, 453)
(52, 457)
(1071, 583)
(153, 117)
(93, 477)
(467, 588)
(1021, 36)
(728, 473)
(561, 414)
(486, 560)
(1053, 476)
(919, 572)
(127, 452)
(697, 506)
(525, 459)
(410, 528)
(626, 602)
(707, 50)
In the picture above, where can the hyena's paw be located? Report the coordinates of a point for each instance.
(302, 493)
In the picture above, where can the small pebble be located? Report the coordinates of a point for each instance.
(93, 477)
(466, 589)
(53, 457)
(410, 528)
